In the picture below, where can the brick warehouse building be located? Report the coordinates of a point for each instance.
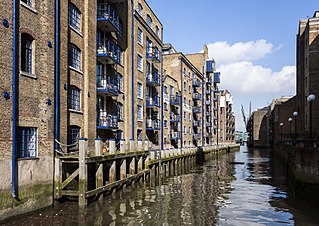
(88, 69)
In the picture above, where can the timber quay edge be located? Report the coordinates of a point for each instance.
(87, 177)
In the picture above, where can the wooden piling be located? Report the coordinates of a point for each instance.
(99, 171)
(83, 183)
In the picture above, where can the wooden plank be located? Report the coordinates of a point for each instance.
(70, 193)
(70, 178)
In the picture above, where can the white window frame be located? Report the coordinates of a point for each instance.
(140, 36)
(140, 90)
(140, 62)
(139, 113)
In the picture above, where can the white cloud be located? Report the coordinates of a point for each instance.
(225, 53)
(246, 78)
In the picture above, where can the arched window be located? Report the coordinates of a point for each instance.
(74, 57)
(157, 30)
(74, 17)
(74, 98)
(149, 21)
(73, 137)
(27, 53)
(140, 9)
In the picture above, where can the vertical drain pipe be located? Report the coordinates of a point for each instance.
(203, 104)
(133, 76)
(56, 76)
(15, 38)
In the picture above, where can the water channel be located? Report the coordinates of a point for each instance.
(252, 192)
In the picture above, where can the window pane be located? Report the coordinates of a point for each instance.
(74, 17)
(27, 142)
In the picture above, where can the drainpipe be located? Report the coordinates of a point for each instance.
(203, 104)
(162, 98)
(15, 42)
(182, 103)
(133, 76)
(57, 77)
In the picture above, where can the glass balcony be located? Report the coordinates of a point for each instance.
(106, 120)
(153, 124)
(153, 79)
(107, 19)
(107, 85)
(175, 100)
(175, 135)
(196, 83)
(108, 51)
(153, 54)
(152, 102)
(197, 96)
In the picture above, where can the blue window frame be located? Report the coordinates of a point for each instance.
(74, 17)
(74, 98)
(74, 57)
(27, 53)
(27, 142)
(73, 136)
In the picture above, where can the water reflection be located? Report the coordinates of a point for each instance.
(214, 193)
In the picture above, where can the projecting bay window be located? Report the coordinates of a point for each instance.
(27, 142)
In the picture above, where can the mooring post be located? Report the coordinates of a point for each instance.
(112, 143)
(99, 171)
(83, 177)
(140, 164)
(123, 169)
(132, 166)
(58, 179)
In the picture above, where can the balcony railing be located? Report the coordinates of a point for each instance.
(209, 81)
(106, 84)
(153, 54)
(197, 110)
(109, 51)
(215, 99)
(197, 96)
(153, 79)
(175, 118)
(208, 102)
(107, 18)
(107, 121)
(175, 100)
(196, 83)
(153, 124)
(209, 92)
(152, 102)
(175, 135)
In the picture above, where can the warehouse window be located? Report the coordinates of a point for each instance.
(140, 9)
(139, 36)
(74, 57)
(120, 111)
(27, 58)
(120, 82)
(139, 113)
(27, 142)
(27, 2)
(157, 31)
(73, 137)
(140, 62)
(74, 17)
(149, 21)
(139, 90)
(74, 98)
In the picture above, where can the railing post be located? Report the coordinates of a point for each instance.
(99, 171)
(58, 179)
(83, 148)
(112, 146)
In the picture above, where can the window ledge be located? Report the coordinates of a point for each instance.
(29, 7)
(26, 74)
(76, 70)
(28, 158)
(75, 111)
(141, 44)
(76, 31)
(141, 98)
(140, 120)
(140, 70)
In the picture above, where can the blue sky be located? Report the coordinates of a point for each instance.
(252, 41)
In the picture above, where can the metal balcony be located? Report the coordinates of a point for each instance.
(107, 18)
(175, 135)
(175, 118)
(208, 102)
(106, 121)
(197, 110)
(175, 100)
(197, 96)
(153, 124)
(196, 123)
(153, 79)
(196, 83)
(107, 85)
(108, 51)
(153, 54)
(215, 99)
(152, 102)
(208, 92)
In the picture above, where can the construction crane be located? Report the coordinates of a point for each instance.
(244, 117)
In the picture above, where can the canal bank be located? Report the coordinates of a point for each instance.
(87, 176)
(303, 170)
(215, 192)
